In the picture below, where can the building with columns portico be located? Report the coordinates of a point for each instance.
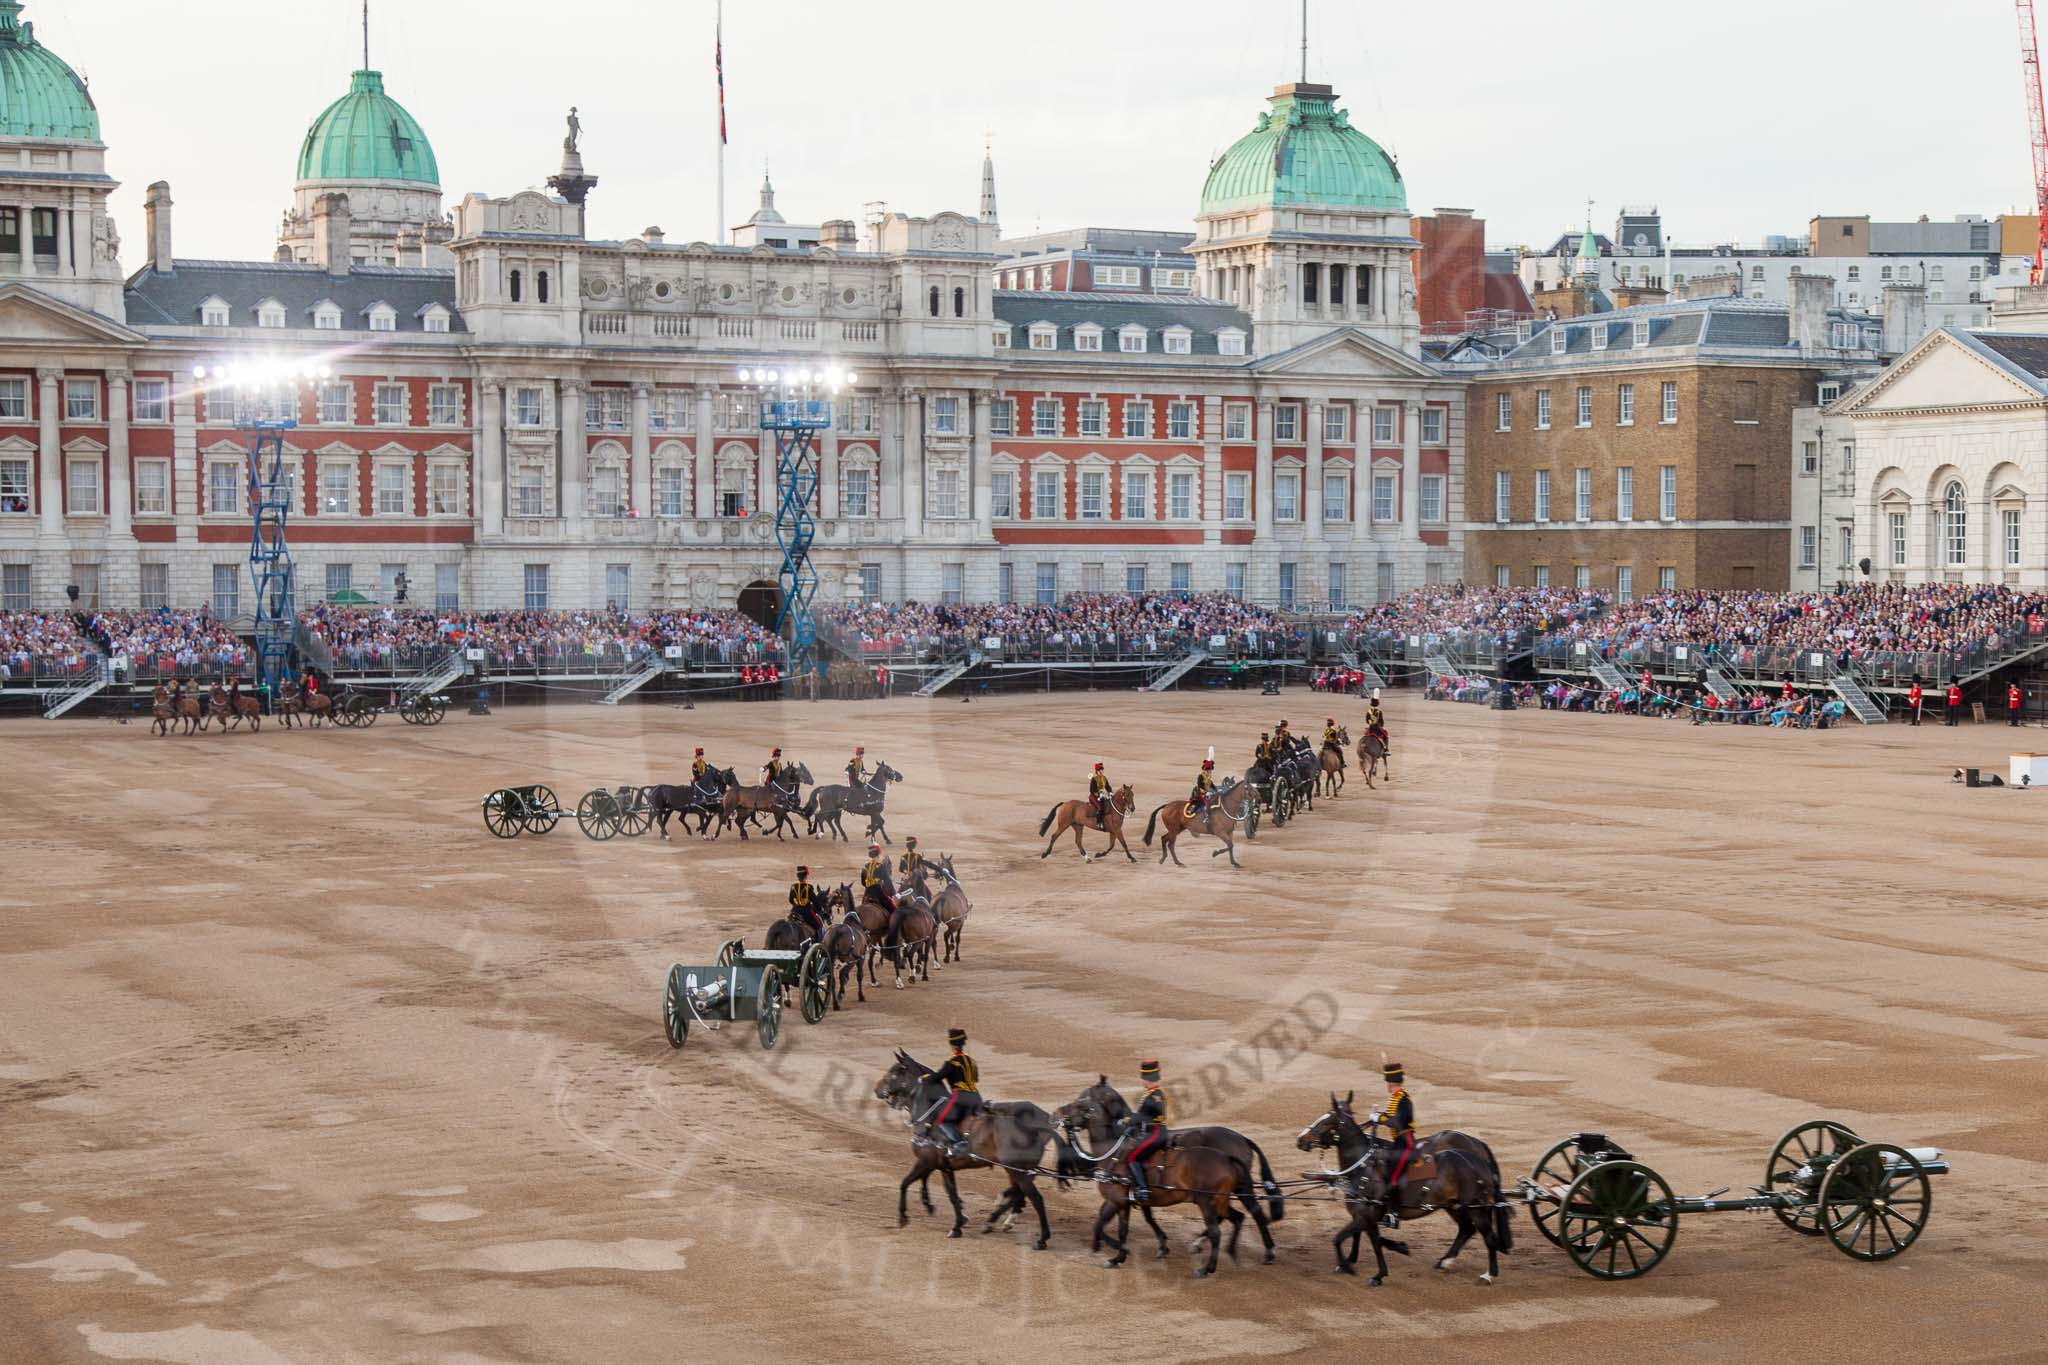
(524, 413)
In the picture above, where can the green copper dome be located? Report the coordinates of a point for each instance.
(367, 135)
(39, 95)
(1304, 151)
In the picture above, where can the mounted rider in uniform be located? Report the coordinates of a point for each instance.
(857, 769)
(874, 880)
(1330, 740)
(1146, 1127)
(772, 769)
(963, 1081)
(1397, 1116)
(1263, 756)
(699, 769)
(1099, 796)
(1198, 799)
(912, 864)
(806, 906)
(1376, 722)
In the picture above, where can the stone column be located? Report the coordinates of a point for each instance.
(828, 469)
(1411, 471)
(50, 457)
(120, 497)
(1211, 506)
(767, 495)
(913, 463)
(1312, 493)
(1262, 476)
(984, 466)
(575, 458)
(889, 478)
(704, 494)
(641, 473)
(185, 455)
(489, 488)
(63, 212)
(1362, 526)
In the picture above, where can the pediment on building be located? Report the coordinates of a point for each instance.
(17, 445)
(29, 315)
(84, 445)
(1945, 371)
(1346, 353)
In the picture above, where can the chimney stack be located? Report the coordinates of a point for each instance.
(839, 234)
(331, 232)
(1812, 296)
(156, 208)
(1905, 317)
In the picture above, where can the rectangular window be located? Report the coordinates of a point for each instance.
(668, 490)
(1287, 422)
(1503, 412)
(1337, 424)
(335, 490)
(81, 400)
(946, 416)
(946, 494)
(604, 409)
(528, 409)
(156, 586)
(1895, 532)
(1847, 547)
(1002, 495)
(1503, 496)
(1809, 546)
(1383, 427)
(444, 490)
(1626, 411)
(1286, 586)
(1667, 579)
(1236, 496)
(340, 579)
(1002, 417)
(82, 483)
(447, 587)
(390, 404)
(1131, 339)
(529, 498)
(227, 590)
(1045, 339)
(1667, 492)
(1180, 577)
(1333, 593)
(1597, 336)
(1116, 276)
(1585, 397)
(1639, 334)
(1088, 338)
(1500, 576)
(1582, 495)
(14, 399)
(1625, 583)
(444, 405)
(1180, 422)
(1582, 577)
(607, 491)
(1001, 337)
(1542, 575)
(391, 483)
(152, 400)
(2009, 525)
(1543, 409)
(1180, 496)
(1176, 343)
(1560, 340)
(1809, 457)
(1137, 420)
(1006, 582)
(1045, 495)
(1134, 579)
(1543, 495)
(953, 583)
(871, 582)
(863, 415)
(1383, 498)
(1137, 495)
(536, 587)
(1669, 400)
(1432, 497)
(1287, 497)
(1336, 497)
(1045, 417)
(1233, 580)
(1625, 494)
(858, 500)
(334, 405)
(1237, 421)
(1094, 417)
(1046, 584)
(152, 487)
(223, 488)
(1432, 426)
(1093, 485)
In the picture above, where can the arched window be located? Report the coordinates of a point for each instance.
(959, 303)
(515, 286)
(540, 286)
(1955, 524)
(935, 300)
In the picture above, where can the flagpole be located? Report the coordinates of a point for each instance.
(718, 236)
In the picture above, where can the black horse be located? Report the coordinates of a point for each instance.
(828, 804)
(703, 798)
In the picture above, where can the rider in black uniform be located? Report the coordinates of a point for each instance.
(1146, 1128)
(1198, 799)
(1099, 795)
(874, 879)
(963, 1078)
(699, 769)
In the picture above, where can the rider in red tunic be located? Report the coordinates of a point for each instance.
(1398, 1118)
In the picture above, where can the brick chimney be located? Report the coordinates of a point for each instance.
(331, 232)
(156, 210)
(1812, 296)
(839, 234)
(1905, 316)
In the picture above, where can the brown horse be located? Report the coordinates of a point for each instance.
(231, 709)
(1332, 761)
(1080, 815)
(310, 707)
(846, 946)
(912, 935)
(779, 799)
(1227, 806)
(1183, 1173)
(871, 915)
(1372, 756)
(171, 708)
(1010, 1137)
(951, 906)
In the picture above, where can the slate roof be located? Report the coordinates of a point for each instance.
(1067, 309)
(1723, 324)
(2025, 354)
(156, 299)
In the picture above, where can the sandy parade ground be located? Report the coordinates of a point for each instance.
(298, 1063)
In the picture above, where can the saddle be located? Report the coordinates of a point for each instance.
(1421, 1166)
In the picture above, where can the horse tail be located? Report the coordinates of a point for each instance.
(1150, 823)
(1276, 1200)
(1503, 1226)
(810, 810)
(1046, 823)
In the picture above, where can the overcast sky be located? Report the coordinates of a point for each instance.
(1739, 119)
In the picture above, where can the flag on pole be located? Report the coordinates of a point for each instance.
(718, 60)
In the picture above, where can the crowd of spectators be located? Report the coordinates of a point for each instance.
(1128, 623)
(166, 643)
(1497, 616)
(393, 639)
(42, 644)
(1789, 709)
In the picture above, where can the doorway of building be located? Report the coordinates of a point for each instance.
(761, 602)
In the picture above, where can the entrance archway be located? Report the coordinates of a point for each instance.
(761, 602)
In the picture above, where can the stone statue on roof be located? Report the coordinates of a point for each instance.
(571, 142)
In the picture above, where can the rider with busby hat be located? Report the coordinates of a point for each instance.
(1099, 794)
(1146, 1129)
(698, 767)
(1397, 1116)
(805, 904)
(857, 768)
(874, 879)
(1198, 799)
(772, 769)
(912, 862)
(962, 1079)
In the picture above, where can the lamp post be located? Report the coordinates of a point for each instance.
(795, 405)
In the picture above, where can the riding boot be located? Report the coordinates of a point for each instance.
(1391, 1219)
(951, 1143)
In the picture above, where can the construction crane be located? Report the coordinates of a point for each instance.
(2037, 129)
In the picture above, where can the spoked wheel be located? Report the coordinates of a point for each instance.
(814, 984)
(730, 953)
(597, 815)
(1874, 1201)
(500, 818)
(435, 711)
(1617, 1221)
(1814, 1144)
(1251, 819)
(769, 1023)
(542, 810)
(1557, 1169)
(675, 1015)
(365, 715)
(636, 816)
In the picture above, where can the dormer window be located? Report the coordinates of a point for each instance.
(1044, 336)
(270, 313)
(214, 312)
(383, 317)
(1641, 333)
(1130, 339)
(1600, 337)
(1230, 341)
(1001, 337)
(433, 318)
(1177, 341)
(327, 316)
(1559, 340)
(1088, 337)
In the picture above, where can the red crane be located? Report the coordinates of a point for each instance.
(2037, 129)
